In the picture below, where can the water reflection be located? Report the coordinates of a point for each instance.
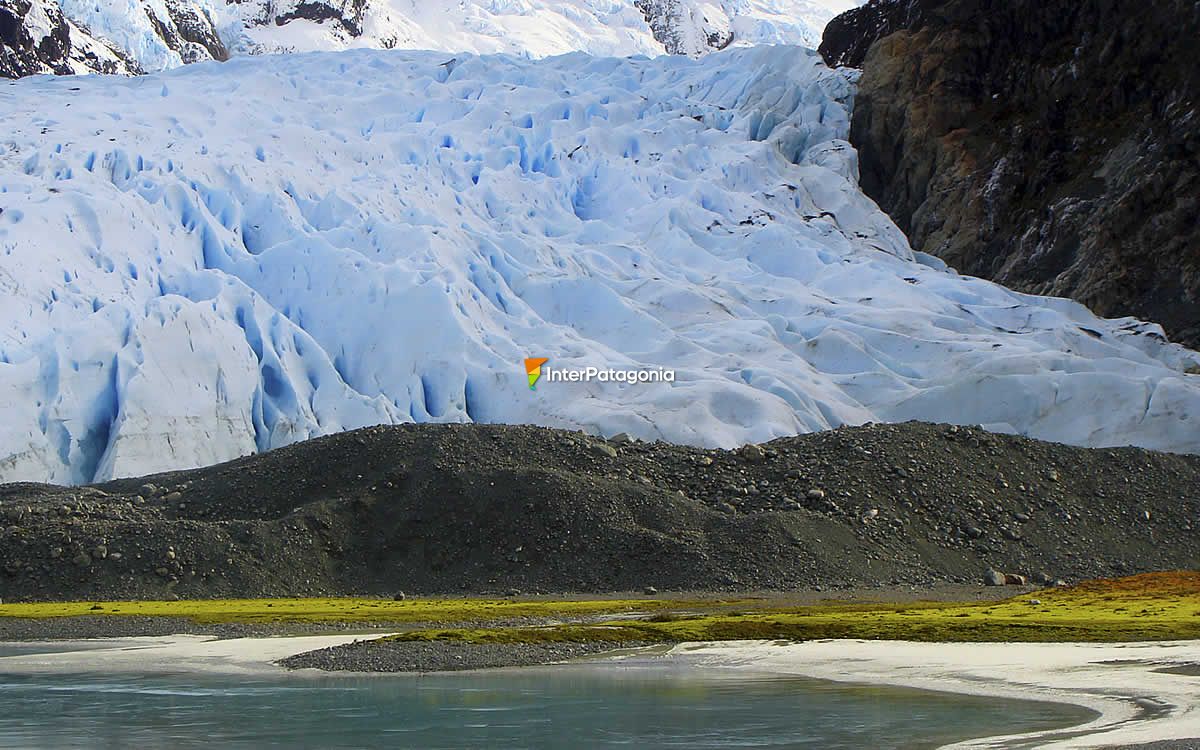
(570, 708)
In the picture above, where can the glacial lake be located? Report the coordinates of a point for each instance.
(573, 707)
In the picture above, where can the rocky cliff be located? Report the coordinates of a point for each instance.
(1051, 145)
(75, 36)
(35, 37)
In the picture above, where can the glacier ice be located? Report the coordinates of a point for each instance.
(227, 258)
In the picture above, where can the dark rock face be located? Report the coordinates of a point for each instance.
(348, 13)
(36, 37)
(849, 37)
(1050, 145)
(20, 53)
(194, 35)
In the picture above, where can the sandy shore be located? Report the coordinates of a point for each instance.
(1142, 692)
(1137, 701)
(166, 654)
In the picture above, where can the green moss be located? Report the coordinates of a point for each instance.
(342, 610)
(1160, 607)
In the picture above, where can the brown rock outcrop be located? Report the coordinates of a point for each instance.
(1050, 145)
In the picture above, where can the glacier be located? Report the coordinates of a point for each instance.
(226, 258)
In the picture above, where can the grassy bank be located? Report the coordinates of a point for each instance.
(1157, 606)
(1161, 606)
(342, 610)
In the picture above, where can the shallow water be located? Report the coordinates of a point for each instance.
(572, 707)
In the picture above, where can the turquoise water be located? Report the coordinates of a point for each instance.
(572, 707)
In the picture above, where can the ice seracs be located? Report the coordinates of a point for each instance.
(223, 259)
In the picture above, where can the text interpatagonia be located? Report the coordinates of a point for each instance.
(608, 375)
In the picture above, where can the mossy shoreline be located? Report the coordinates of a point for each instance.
(1149, 607)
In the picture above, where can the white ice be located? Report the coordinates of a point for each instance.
(228, 258)
(534, 28)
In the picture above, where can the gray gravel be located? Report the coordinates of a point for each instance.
(488, 509)
(443, 656)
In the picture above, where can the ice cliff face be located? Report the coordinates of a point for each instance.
(127, 36)
(224, 259)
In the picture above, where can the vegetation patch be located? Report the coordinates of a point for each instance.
(347, 610)
(1158, 606)
(1155, 606)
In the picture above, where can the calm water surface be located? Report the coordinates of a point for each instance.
(571, 707)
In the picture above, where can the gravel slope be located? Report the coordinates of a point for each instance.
(486, 509)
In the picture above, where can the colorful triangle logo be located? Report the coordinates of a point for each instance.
(533, 368)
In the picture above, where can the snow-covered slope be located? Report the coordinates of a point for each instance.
(126, 36)
(536, 28)
(223, 259)
(696, 27)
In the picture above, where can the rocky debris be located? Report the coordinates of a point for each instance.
(1050, 145)
(443, 656)
(994, 577)
(488, 508)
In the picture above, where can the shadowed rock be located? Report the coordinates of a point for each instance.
(1050, 145)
